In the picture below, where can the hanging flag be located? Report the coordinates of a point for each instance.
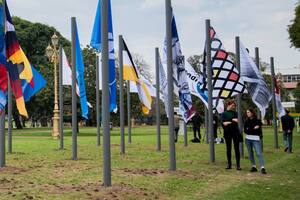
(3, 71)
(226, 80)
(163, 84)
(181, 86)
(280, 108)
(39, 83)
(96, 44)
(80, 78)
(255, 83)
(131, 73)
(19, 66)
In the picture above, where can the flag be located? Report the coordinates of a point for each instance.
(39, 83)
(226, 80)
(96, 44)
(3, 71)
(131, 73)
(181, 87)
(280, 108)
(163, 84)
(80, 78)
(254, 81)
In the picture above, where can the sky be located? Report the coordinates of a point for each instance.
(258, 23)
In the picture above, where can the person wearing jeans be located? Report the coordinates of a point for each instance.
(253, 130)
(288, 125)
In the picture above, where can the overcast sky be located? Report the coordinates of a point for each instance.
(259, 23)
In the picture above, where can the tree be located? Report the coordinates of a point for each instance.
(294, 28)
(297, 97)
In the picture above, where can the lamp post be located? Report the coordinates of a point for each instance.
(52, 54)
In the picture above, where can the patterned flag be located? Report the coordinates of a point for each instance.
(181, 86)
(226, 80)
(131, 73)
(163, 84)
(255, 83)
(280, 108)
(96, 44)
(3, 71)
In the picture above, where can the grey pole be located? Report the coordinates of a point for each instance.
(74, 100)
(122, 142)
(206, 125)
(274, 103)
(170, 85)
(158, 139)
(210, 89)
(128, 112)
(257, 64)
(185, 136)
(239, 99)
(98, 102)
(258, 111)
(2, 138)
(105, 95)
(9, 116)
(61, 101)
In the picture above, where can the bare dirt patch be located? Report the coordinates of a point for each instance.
(12, 170)
(145, 171)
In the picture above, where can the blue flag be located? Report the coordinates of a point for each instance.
(80, 78)
(39, 83)
(96, 43)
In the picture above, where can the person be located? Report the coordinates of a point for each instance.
(231, 133)
(215, 125)
(288, 125)
(196, 120)
(253, 131)
(176, 125)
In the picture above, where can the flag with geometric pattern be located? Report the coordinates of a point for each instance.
(226, 80)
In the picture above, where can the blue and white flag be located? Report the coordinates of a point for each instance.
(163, 82)
(181, 87)
(255, 83)
(80, 78)
(96, 43)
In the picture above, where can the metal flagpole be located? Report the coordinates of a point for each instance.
(239, 99)
(128, 112)
(2, 138)
(170, 85)
(185, 136)
(61, 101)
(158, 139)
(258, 111)
(74, 100)
(206, 125)
(9, 117)
(122, 142)
(98, 102)
(105, 95)
(274, 103)
(210, 89)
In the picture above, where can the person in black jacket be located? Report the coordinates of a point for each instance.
(196, 120)
(231, 133)
(253, 131)
(288, 125)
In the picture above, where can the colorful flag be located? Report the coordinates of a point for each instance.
(96, 43)
(131, 73)
(280, 108)
(80, 78)
(3, 71)
(226, 80)
(255, 83)
(181, 86)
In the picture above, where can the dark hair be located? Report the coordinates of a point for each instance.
(287, 111)
(230, 102)
(253, 112)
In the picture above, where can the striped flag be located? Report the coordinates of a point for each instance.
(131, 73)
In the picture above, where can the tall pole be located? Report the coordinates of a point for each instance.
(98, 102)
(257, 64)
(185, 136)
(210, 88)
(74, 100)
(239, 99)
(55, 131)
(274, 103)
(61, 101)
(206, 124)
(9, 113)
(158, 138)
(128, 112)
(105, 95)
(2, 138)
(172, 164)
(122, 142)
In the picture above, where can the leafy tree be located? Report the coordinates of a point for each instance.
(294, 28)
(297, 97)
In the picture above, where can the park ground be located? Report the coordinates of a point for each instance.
(38, 170)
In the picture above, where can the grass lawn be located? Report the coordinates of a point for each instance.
(38, 170)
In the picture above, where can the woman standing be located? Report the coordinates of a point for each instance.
(253, 130)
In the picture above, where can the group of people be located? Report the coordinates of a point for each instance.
(232, 134)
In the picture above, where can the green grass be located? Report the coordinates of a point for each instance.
(38, 170)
